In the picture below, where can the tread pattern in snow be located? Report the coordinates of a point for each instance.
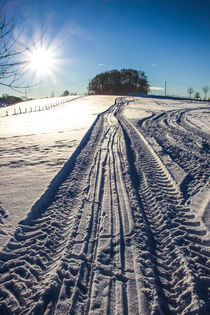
(115, 237)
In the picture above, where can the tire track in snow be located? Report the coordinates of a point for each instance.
(114, 236)
(186, 145)
(180, 250)
(39, 246)
(53, 262)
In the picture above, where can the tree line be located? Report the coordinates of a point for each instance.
(124, 81)
(9, 100)
(197, 96)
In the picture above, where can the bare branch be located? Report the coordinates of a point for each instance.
(13, 59)
(205, 89)
(190, 91)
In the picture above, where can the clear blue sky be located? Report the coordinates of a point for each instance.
(168, 39)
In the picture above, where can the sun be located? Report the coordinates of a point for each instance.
(42, 61)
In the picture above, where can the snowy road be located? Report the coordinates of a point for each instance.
(115, 232)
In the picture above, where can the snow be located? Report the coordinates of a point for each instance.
(105, 207)
(197, 116)
(200, 118)
(35, 145)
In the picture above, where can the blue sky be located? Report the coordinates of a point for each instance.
(169, 40)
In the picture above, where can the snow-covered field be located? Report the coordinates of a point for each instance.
(35, 144)
(113, 209)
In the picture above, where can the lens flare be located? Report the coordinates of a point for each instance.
(42, 61)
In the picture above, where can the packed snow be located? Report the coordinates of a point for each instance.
(105, 206)
(196, 117)
(36, 139)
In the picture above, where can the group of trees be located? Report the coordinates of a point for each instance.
(125, 81)
(197, 96)
(9, 100)
(67, 93)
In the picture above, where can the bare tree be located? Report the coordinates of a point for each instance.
(197, 96)
(205, 89)
(190, 91)
(13, 60)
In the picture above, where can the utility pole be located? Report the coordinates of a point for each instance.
(88, 87)
(26, 94)
(165, 87)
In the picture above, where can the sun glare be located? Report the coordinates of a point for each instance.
(42, 61)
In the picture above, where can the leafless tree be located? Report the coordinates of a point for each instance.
(205, 89)
(197, 96)
(13, 59)
(190, 91)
